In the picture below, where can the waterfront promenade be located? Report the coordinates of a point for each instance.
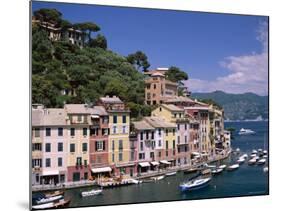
(88, 183)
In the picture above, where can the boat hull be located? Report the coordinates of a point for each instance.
(185, 188)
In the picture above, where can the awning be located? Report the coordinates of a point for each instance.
(95, 116)
(155, 163)
(144, 164)
(195, 153)
(100, 170)
(165, 162)
(50, 172)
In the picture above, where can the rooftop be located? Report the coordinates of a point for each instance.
(110, 100)
(177, 99)
(99, 110)
(77, 108)
(159, 122)
(142, 125)
(49, 117)
(172, 107)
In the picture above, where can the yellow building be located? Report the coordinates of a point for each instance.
(118, 139)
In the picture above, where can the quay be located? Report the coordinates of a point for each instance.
(125, 181)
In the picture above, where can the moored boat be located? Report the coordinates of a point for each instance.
(217, 171)
(233, 167)
(171, 173)
(191, 170)
(241, 160)
(252, 161)
(59, 204)
(261, 161)
(91, 192)
(41, 198)
(222, 166)
(158, 178)
(195, 184)
(265, 169)
(246, 131)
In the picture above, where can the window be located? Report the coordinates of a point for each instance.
(141, 136)
(159, 154)
(114, 119)
(120, 156)
(178, 126)
(85, 131)
(113, 145)
(167, 144)
(48, 131)
(159, 132)
(152, 135)
(72, 147)
(120, 145)
(85, 163)
(59, 162)
(124, 129)
(84, 147)
(85, 175)
(76, 176)
(60, 131)
(60, 147)
(78, 161)
(167, 132)
(185, 126)
(36, 163)
(100, 145)
(124, 119)
(178, 139)
(180, 115)
(141, 156)
(174, 131)
(185, 139)
(36, 147)
(175, 115)
(141, 146)
(79, 118)
(72, 131)
(47, 147)
(159, 143)
(37, 132)
(132, 157)
(154, 86)
(114, 129)
(152, 155)
(160, 109)
(167, 153)
(174, 144)
(147, 135)
(48, 162)
(113, 157)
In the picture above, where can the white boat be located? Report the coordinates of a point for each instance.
(261, 161)
(253, 155)
(217, 171)
(254, 151)
(244, 156)
(91, 192)
(233, 167)
(265, 156)
(237, 150)
(59, 204)
(265, 169)
(252, 161)
(264, 152)
(171, 173)
(241, 160)
(222, 166)
(158, 178)
(246, 131)
(49, 199)
(195, 184)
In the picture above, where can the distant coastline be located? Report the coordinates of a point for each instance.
(246, 120)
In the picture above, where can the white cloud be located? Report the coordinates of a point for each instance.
(248, 73)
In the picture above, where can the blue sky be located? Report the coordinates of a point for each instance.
(214, 49)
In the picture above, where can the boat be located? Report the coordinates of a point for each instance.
(134, 181)
(252, 161)
(233, 167)
(195, 184)
(265, 152)
(261, 161)
(259, 150)
(205, 171)
(265, 169)
(171, 173)
(222, 166)
(245, 156)
(41, 198)
(237, 150)
(217, 171)
(241, 160)
(191, 170)
(253, 155)
(59, 204)
(246, 131)
(55, 193)
(264, 156)
(254, 151)
(91, 192)
(158, 178)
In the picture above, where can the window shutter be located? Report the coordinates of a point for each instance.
(103, 145)
(96, 146)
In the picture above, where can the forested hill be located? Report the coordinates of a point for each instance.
(89, 72)
(238, 106)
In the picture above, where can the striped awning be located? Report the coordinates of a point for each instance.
(50, 172)
(100, 170)
(165, 162)
(144, 164)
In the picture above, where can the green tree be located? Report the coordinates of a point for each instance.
(139, 60)
(100, 42)
(87, 28)
(48, 15)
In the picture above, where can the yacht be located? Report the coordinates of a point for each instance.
(244, 131)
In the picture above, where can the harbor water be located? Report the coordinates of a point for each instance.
(245, 181)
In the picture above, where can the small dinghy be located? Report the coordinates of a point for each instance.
(91, 193)
(44, 199)
(171, 173)
(233, 167)
(158, 178)
(195, 184)
(261, 161)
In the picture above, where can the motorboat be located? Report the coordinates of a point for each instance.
(222, 166)
(91, 192)
(244, 131)
(254, 151)
(233, 167)
(41, 198)
(265, 169)
(265, 152)
(245, 156)
(195, 184)
(253, 155)
(217, 171)
(261, 161)
(59, 204)
(241, 160)
(237, 150)
(134, 181)
(205, 171)
(264, 156)
(191, 170)
(171, 173)
(252, 161)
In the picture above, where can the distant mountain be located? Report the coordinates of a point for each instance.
(248, 106)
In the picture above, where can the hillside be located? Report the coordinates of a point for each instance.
(238, 106)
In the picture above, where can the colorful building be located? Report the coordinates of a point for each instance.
(78, 121)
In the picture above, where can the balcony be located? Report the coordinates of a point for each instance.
(36, 140)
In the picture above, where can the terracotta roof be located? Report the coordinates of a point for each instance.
(99, 110)
(49, 117)
(142, 125)
(113, 99)
(172, 107)
(176, 99)
(159, 122)
(77, 109)
(157, 74)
